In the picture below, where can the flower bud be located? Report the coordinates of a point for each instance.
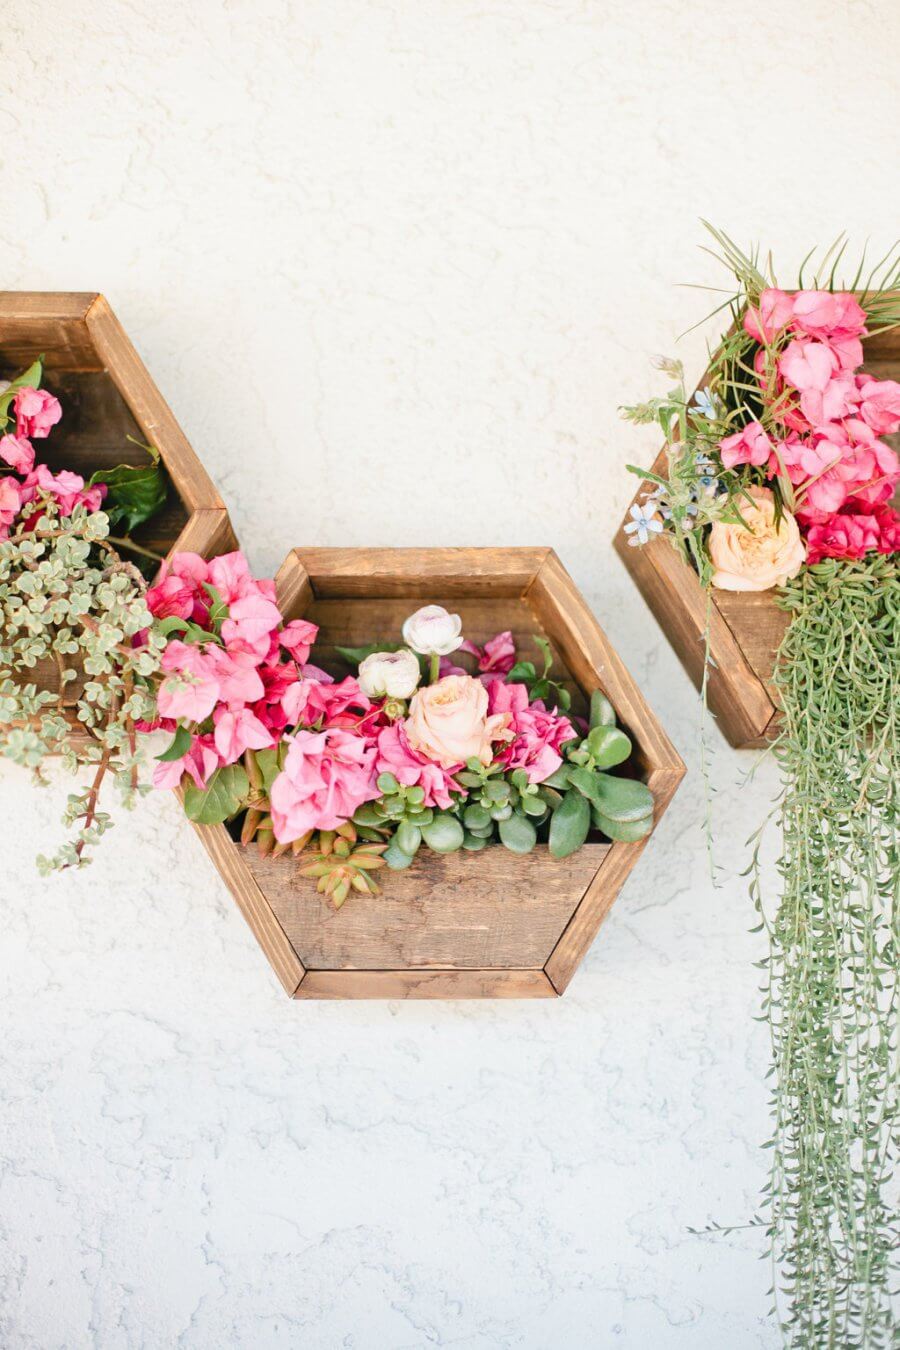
(432, 631)
(393, 675)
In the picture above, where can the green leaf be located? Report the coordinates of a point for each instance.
(474, 842)
(628, 831)
(559, 778)
(134, 493)
(517, 834)
(608, 746)
(523, 672)
(467, 779)
(354, 655)
(585, 781)
(269, 762)
(218, 610)
(395, 858)
(408, 837)
(444, 834)
(475, 817)
(622, 799)
(222, 797)
(179, 746)
(387, 783)
(365, 815)
(544, 647)
(602, 711)
(171, 624)
(569, 825)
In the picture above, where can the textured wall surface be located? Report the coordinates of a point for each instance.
(395, 263)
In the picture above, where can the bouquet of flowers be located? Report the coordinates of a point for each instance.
(781, 478)
(358, 773)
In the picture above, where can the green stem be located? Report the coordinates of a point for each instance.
(122, 541)
(435, 668)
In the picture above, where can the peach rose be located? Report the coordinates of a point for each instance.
(449, 723)
(760, 557)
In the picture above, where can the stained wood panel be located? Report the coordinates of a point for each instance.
(467, 910)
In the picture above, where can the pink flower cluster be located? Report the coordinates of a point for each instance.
(240, 689)
(36, 412)
(833, 415)
(237, 678)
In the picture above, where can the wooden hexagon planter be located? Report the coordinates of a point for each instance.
(107, 395)
(746, 628)
(485, 925)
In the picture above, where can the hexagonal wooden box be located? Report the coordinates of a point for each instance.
(108, 395)
(746, 628)
(482, 925)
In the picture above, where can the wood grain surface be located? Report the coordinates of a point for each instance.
(467, 910)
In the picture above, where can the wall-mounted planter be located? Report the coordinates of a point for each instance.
(485, 925)
(108, 395)
(746, 628)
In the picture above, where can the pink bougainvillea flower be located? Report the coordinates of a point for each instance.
(297, 637)
(67, 488)
(497, 656)
(18, 453)
(171, 597)
(311, 702)
(775, 312)
(36, 412)
(750, 445)
(828, 315)
(842, 535)
(178, 589)
(412, 769)
(327, 775)
(807, 365)
(879, 404)
(537, 733)
(230, 574)
(10, 504)
(191, 687)
(831, 466)
(252, 619)
(200, 763)
(837, 400)
(237, 731)
(236, 673)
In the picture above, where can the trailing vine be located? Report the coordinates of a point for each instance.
(831, 979)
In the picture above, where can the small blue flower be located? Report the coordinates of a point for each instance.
(642, 524)
(705, 404)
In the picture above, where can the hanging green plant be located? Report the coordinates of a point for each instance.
(779, 479)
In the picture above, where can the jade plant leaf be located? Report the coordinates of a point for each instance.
(608, 746)
(569, 825)
(517, 834)
(622, 799)
(628, 831)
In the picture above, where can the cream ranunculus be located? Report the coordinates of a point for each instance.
(760, 557)
(390, 674)
(448, 721)
(432, 631)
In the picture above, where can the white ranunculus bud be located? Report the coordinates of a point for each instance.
(432, 631)
(389, 674)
